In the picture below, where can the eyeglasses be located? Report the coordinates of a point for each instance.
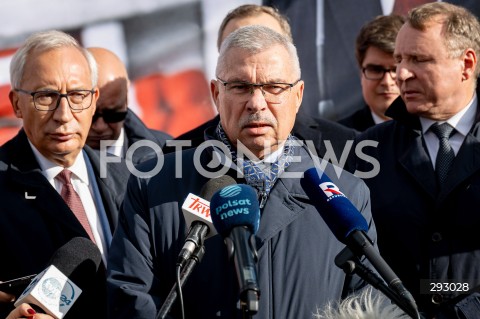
(110, 116)
(377, 72)
(78, 100)
(272, 92)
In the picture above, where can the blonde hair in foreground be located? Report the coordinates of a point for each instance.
(362, 306)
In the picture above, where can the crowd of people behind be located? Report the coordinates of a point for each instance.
(71, 172)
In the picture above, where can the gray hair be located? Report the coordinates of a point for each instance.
(45, 41)
(362, 306)
(461, 28)
(254, 39)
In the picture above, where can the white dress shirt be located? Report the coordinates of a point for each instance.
(82, 185)
(462, 122)
(116, 148)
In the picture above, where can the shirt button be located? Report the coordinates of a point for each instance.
(436, 237)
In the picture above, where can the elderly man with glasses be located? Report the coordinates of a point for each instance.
(258, 92)
(50, 187)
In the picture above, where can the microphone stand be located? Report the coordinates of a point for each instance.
(351, 264)
(196, 257)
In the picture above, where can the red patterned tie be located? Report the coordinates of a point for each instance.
(73, 201)
(402, 7)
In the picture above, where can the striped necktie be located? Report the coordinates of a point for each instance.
(73, 201)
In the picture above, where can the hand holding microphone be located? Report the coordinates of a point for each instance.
(58, 287)
(24, 310)
(236, 216)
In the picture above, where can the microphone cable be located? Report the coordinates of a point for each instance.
(179, 289)
(182, 274)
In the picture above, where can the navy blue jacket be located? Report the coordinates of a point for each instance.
(296, 249)
(35, 221)
(360, 120)
(425, 236)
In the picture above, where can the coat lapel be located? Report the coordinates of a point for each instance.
(112, 187)
(286, 193)
(416, 162)
(34, 188)
(466, 163)
(306, 129)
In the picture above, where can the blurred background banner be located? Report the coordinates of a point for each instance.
(170, 50)
(168, 46)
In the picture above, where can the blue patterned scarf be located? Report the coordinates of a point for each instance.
(262, 178)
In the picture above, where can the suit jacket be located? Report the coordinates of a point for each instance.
(425, 234)
(321, 132)
(360, 120)
(136, 130)
(197, 134)
(339, 70)
(35, 221)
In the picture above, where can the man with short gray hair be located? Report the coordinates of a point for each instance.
(258, 91)
(50, 188)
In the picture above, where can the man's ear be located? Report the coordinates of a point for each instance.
(469, 64)
(95, 97)
(299, 94)
(214, 91)
(13, 96)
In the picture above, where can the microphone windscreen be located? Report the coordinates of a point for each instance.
(335, 208)
(234, 206)
(215, 184)
(72, 272)
(78, 259)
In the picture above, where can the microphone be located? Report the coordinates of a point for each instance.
(350, 227)
(59, 286)
(236, 216)
(196, 211)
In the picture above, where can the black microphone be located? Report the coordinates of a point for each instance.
(196, 211)
(236, 216)
(351, 264)
(350, 227)
(73, 268)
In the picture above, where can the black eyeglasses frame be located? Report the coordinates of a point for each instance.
(60, 96)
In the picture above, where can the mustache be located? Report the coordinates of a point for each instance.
(255, 118)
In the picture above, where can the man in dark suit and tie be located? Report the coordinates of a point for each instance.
(54, 91)
(425, 190)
